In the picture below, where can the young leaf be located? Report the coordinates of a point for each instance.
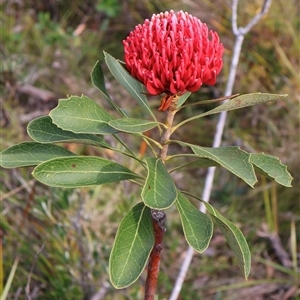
(80, 171)
(182, 99)
(135, 88)
(132, 125)
(197, 226)
(235, 239)
(81, 115)
(242, 101)
(233, 159)
(235, 103)
(132, 247)
(44, 131)
(98, 81)
(272, 167)
(30, 154)
(159, 191)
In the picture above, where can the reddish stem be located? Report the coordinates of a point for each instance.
(158, 220)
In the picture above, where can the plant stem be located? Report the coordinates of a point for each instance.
(158, 216)
(167, 131)
(158, 221)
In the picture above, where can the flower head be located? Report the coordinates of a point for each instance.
(173, 53)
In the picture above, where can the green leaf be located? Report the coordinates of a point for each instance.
(159, 191)
(272, 167)
(197, 226)
(30, 154)
(233, 159)
(135, 88)
(132, 247)
(132, 125)
(244, 101)
(182, 99)
(197, 163)
(81, 115)
(99, 82)
(235, 103)
(235, 239)
(80, 171)
(44, 131)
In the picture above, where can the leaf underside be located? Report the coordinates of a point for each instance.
(242, 101)
(235, 239)
(197, 226)
(43, 130)
(271, 167)
(231, 158)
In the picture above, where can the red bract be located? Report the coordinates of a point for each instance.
(173, 53)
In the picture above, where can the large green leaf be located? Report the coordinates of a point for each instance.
(80, 171)
(159, 191)
(272, 167)
(235, 239)
(132, 247)
(99, 82)
(197, 226)
(81, 115)
(44, 131)
(233, 159)
(135, 88)
(265, 164)
(132, 125)
(30, 154)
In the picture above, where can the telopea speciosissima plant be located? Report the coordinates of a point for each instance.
(171, 56)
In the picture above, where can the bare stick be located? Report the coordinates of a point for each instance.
(158, 216)
(239, 33)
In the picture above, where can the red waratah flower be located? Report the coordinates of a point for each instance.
(173, 53)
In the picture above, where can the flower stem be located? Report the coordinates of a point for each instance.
(166, 134)
(158, 216)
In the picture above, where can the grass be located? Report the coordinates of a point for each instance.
(62, 238)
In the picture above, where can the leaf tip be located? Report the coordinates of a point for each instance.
(247, 273)
(254, 183)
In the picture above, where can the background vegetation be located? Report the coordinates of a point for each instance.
(59, 240)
